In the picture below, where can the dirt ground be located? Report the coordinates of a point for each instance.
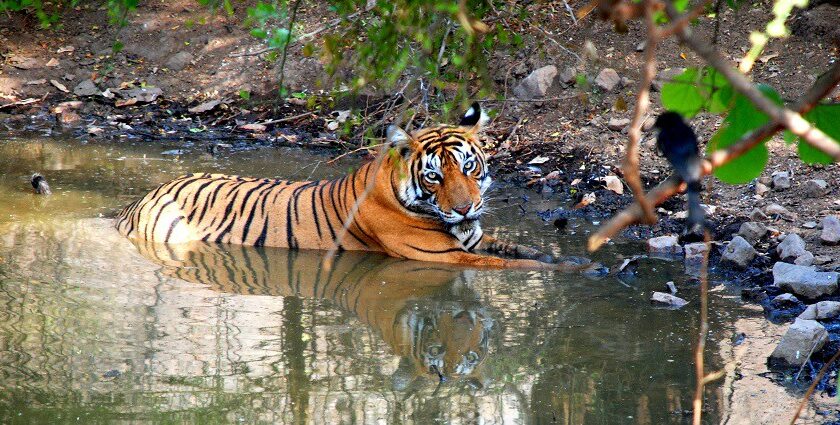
(194, 57)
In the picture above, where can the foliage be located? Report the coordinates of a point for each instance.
(49, 12)
(705, 90)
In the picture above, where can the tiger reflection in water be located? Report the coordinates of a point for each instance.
(425, 312)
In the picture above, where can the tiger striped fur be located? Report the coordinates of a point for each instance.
(425, 205)
(427, 314)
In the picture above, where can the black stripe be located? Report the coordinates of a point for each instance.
(431, 251)
(172, 227)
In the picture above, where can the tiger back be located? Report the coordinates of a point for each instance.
(426, 313)
(423, 203)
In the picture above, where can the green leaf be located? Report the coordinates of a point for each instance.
(244, 94)
(117, 47)
(279, 38)
(721, 91)
(743, 119)
(682, 95)
(259, 33)
(827, 119)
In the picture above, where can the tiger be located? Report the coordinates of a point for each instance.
(427, 314)
(423, 203)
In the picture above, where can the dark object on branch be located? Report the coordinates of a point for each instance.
(40, 184)
(678, 144)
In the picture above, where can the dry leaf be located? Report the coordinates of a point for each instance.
(253, 127)
(59, 86)
(767, 57)
(127, 102)
(52, 63)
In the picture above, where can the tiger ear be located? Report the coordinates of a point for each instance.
(475, 119)
(398, 139)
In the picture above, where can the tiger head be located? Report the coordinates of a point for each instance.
(444, 340)
(445, 169)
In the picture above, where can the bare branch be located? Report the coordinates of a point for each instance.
(810, 391)
(790, 119)
(671, 186)
(630, 167)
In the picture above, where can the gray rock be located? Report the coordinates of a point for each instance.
(791, 247)
(752, 231)
(568, 76)
(86, 88)
(785, 300)
(671, 287)
(607, 80)
(618, 124)
(179, 61)
(815, 188)
(781, 180)
(830, 230)
(667, 245)
(803, 337)
(761, 189)
(142, 94)
(821, 311)
(804, 280)
(694, 252)
(822, 259)
(648, 124)
(757, 215)
(810, 224)
(776, 209)
(641, 46)
(739, 252)
(665, 76)
(671, 301)
(805, 259)
(536, 84)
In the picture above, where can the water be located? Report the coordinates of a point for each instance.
(95, 328)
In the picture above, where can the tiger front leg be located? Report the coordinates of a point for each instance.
(494, 246)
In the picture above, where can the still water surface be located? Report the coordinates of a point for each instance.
(95, 328)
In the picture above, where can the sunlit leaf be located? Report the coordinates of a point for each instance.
(682, 95)
(827, 119)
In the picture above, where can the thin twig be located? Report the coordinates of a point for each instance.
(630, 167)
(571, 12)
(292, 20)
(363, 148)
(287, 119)
(810, 391)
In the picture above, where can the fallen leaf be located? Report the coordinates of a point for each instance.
(253, 127)
(587, 199)
(206, 106)
(36, 82)
(614, 184)
(332, 125)
(538, 160)
(126, 102)
(767, 57)
(52, 63)
(66, 49)
(95, 131)
(59, 86)
(575, 182)
(107, 94)
(21, 62)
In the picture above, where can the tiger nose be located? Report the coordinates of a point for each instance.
(463, 209)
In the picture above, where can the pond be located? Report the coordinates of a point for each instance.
(95, 328)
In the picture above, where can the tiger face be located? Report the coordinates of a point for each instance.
(446, 169)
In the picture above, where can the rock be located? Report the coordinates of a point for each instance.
(607, 80)
(179, 61)
(641, 46)
(668, 300)
(86, 88)
(671, 287)
(809, 225)
(69, 118)
(618, 124)
(667, 245)
(141, 94)
(68, 106)
(568, 76)
(785, 300)
(781, 180)
(791, 247)
(52, 63)
(694, 252)
(822, 259)
(821, 311)
(59, 86)
(739, 252)
(22, 62)
(802, 338)
(815, 188)
(776, 209)
(761, 189)
(805, 259)
(830, 230)
(665, 76)
(648, 124)
(757, 215)
(536, 84)
(752, 231)
(804, 280)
